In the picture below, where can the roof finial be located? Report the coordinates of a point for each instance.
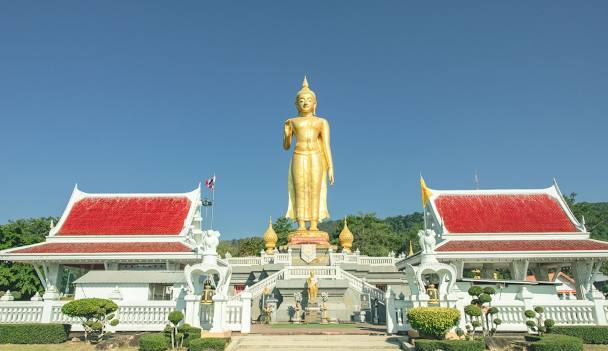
(411, 252)
(52, 224)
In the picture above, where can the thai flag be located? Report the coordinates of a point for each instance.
(210, 183)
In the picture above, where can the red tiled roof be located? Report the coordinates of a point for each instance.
(126, 215)
(93, 248)
(518, 213)
(522, 245)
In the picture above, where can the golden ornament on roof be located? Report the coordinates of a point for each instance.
(270, 238)
(346, 238)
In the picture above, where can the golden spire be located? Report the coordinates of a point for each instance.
(270, 238)
(306, 89)
(346, 238)
(411, 250)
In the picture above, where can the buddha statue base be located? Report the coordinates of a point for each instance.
(316, 237)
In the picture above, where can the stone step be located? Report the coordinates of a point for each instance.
(313, 342)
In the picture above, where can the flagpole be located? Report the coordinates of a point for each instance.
(212, 200)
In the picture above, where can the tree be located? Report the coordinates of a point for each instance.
(480, 314)
(94, 314)
(250, 246)
(20, 277)
(175, 317)
(373, 237)
(282, 226)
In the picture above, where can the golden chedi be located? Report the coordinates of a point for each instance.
(310, 169)
(270, 238)
(346, 238)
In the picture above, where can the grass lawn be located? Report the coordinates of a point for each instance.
(312, 325)
(68, 346)
(596, 347)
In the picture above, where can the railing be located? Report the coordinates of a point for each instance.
(151, 315)
(337, 259)
(141, 316)
(321, 272)
(233, 316)
(580, 312)
(267, 283)
(361, 286)
(244, 261)
(21, 312)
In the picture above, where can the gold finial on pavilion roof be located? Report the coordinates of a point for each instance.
(411, 250)
(346, 238)
(270, 237)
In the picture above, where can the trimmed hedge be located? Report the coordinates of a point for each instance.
(591, 334)
(204, 344)
(153, 342)
(450, 345)
(553, 342)
(34, 333)
(433, 321)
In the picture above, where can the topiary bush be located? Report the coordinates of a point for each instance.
(450, 345)
(153, 342)
(553, 342)
(206, 344)
(94, 314)
(34, 333)
(590, 334)
(481, 316)
(433, 321)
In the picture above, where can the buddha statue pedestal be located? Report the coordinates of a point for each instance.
(312, 313)
(303, 237)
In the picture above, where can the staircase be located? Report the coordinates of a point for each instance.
(313, 342)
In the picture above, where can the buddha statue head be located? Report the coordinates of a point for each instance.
(306, 100)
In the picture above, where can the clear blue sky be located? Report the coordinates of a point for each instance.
(151, 96)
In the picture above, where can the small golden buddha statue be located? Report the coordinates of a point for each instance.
(313, 288)
(310, 167)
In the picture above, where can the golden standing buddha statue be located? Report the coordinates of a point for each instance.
(310, 167)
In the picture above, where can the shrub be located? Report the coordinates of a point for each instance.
(590, 334)
(472, 310)
(190, 333)
(433, 321)
(529, 314)
(153, 342)
(34, 333)
(215, 344)
(94, 313)
(475, 290)
(450, 345)
(554, 342)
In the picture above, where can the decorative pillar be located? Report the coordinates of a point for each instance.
(193, 310)
(582, 271)
(219, 314)
(246, 312)
(391, 315)
(519, 270)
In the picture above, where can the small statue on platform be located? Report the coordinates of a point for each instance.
(298, 307)
(427, 241)
(324, 316)
(313, 288)
(267, 314)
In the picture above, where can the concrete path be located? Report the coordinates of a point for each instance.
(256, 342)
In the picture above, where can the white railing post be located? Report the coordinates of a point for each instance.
(246, 312)
(598, 307)
(219, 314)
(391, 314)
(47, 308)
(192, 310)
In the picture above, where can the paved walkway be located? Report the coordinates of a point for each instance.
(258, 342)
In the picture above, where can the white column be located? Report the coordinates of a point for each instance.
(193, 310)
(519, 270)
(246, 312)
(219, 314)
(582, 271)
